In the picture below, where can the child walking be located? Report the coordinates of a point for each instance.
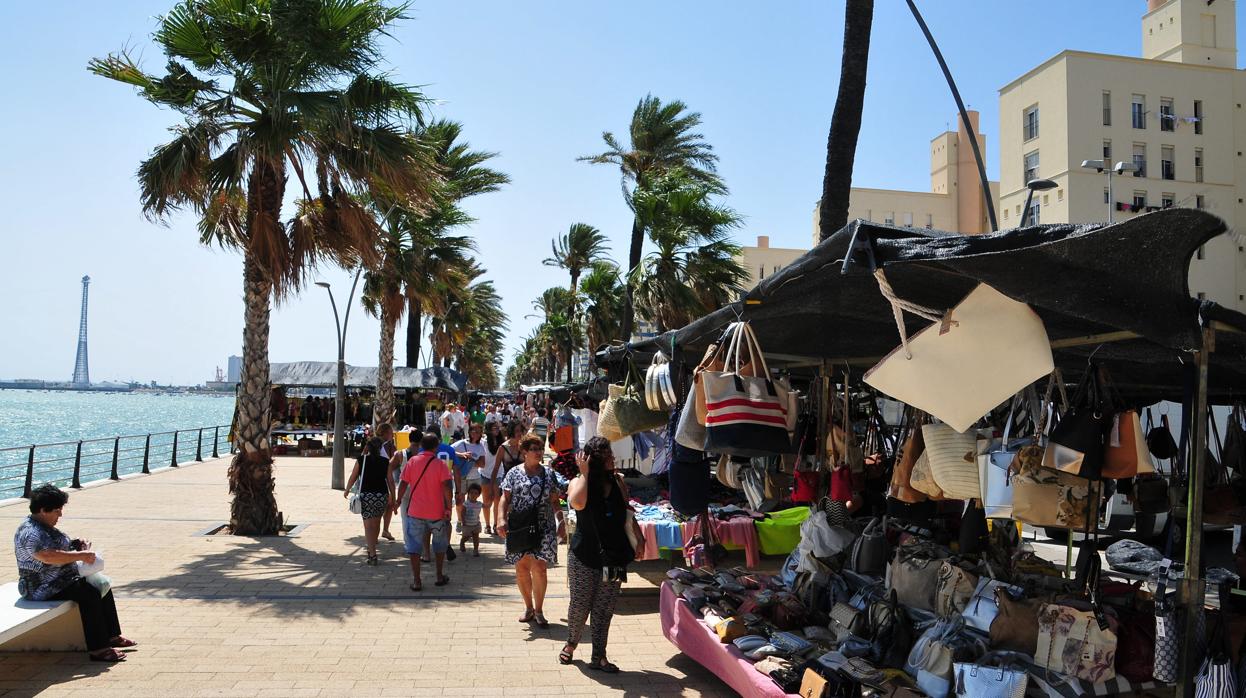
(471, 520)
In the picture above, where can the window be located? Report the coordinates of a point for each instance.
(1030, 171)
(1198, 164)
(1167, 166)
(1107, 196)
(761, 272)
(1005, 214)
(890, 218)
(908, 220)
(930, 219)
(1139, 200)
(1107, 152)
(1167, 200)
(1029, 123)
(1138, 111)
(1034, 209)
(1140, 159)
(1167, 117)
(1059, 195)
(1107, 108)
(1198, 117)
(1199, 202)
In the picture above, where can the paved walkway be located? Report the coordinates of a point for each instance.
(303, 616)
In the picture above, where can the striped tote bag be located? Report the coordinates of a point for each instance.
(745, 415)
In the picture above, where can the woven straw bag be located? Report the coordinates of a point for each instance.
(953, 460)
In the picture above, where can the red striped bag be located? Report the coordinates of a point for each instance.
(745, 415)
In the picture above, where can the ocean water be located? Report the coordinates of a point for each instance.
(49, 417)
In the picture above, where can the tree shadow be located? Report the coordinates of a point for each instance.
(31, 673)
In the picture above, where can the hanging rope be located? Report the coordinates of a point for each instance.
(899, 305)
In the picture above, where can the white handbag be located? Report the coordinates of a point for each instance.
(986, 349)
(953, 460)
(995, 476)
(690, 433)
(982, 607)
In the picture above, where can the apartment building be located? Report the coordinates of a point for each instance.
(1174, 116)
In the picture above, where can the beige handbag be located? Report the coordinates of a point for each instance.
(1071, 642)
(608, 421)
(985, 350)
(922, 480)
(956, 587)
(1052, 498)
(714, 360)
(953, 460)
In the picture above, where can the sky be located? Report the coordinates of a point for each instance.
(536, 82)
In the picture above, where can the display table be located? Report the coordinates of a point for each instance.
(734, 534)
(686, 631)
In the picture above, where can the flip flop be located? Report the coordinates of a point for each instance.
(122, 642)
(441, 582)
(528, 616)
(604, 666)
(387, 536)
(416, 587)
(111, 656)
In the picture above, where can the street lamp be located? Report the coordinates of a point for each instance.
(1034, 185)
(338, 476)
(1102, 166)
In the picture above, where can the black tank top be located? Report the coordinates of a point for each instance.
(373, 475)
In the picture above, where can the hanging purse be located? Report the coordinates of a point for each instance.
(922, 480)
(745, 415)
(630, 411)
(953, 460)
(902, 473)
(608, 419)
(994, 471)
(1078, 442)
(1015, 626)
(1127, 455)
(1159, 440)
(1215, 678)
(982, 608)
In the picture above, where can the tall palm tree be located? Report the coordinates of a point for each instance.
(601, 303)
(662, 137)
(465, 175)
(267, 88)
(575, 250)
(841, 143)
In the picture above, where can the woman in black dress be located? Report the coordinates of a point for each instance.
(376, 491)
(600, 550)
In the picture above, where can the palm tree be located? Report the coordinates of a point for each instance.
(662, 137)
(465, 175)
(601, 303)
(575, 250)
(841, 144)
(267, 88)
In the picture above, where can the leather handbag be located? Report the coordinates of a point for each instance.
(1052, 498)
(1015, 626)
(891, 632)
(981, 610)
(995, 674)
(1072, 642)
(943, 369)
(1078, 443)
(846, 620)
(902, 473)
(746, 415)
(1127, 454)
(689, 432)
(955, 588)
(870, 552)
(914, 575)
(994, 471)
(953, 460)
(1159, 439)
(1150, 495)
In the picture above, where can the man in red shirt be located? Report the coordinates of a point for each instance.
(428, 514)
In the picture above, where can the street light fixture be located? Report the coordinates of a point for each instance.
(1034, 185)
(1102, 166)
(338, 474)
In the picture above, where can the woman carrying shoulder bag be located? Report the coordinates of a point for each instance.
(600, 550)
(529, 496)
(506, 457)
(376, 492)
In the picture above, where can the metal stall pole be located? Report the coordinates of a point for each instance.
(1193, 588)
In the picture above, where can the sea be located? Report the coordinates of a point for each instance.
(64, 417)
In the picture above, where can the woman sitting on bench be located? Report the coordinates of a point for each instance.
(46, 569)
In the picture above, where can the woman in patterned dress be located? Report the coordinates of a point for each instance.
(532, 486)
(376, 491)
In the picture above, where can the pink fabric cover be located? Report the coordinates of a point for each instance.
(682, 627)
(740, 532)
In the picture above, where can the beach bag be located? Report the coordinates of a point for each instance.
(902, 473)
(870, 552)
(995, 674)
(955, 588)
(713, 360)
(1127, 455)
(953, 460)
(1015, 626)
(981, 610)
(1072, 642)
(1078, 443)
(746, 415)
(1159, 439)
(630, 411)
(689, 432)
(984, 350)
(922, 479)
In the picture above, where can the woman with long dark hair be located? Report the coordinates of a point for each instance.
(507, 455)
(600, 550)
(488, 485)
(376, 491)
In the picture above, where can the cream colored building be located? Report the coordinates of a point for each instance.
(762, 260)
(954, 202)
(1176, 113)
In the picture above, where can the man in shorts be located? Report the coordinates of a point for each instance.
(429, 480)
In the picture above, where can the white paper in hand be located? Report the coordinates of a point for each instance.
(87, 570)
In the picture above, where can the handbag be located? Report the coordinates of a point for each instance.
(1127, 454)
(805, 489)
(1015, 626)
(1078, 442)
(847, 620)
(973, 533)
(1167, 635)
(355, 503)
(994, 471)
(524, 527)
(635, 536)
(902, 473)
(713, 360)
(953, 460)
(608, 418)
(1052, 498)
(891, 632)
(689, 432)
(1215, 678)
(931, 662)
(1159, 440)
(1150, 495)
(955, 588)
(914, 575)
(982, 609)
(985, 349)
(1072, 642)
(745, 415)
(870, 552)
(922, 480)
(985, 678)
(630, 411)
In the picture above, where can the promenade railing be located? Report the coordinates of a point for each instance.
(72, 463)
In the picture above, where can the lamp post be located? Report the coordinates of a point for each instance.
(1102, 166)
(1034, 185)
(338, 475)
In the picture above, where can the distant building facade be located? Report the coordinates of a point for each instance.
(1176, 114)
(762, 260)
(233, 370)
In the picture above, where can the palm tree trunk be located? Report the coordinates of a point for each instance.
(383, 410)
(415, 320)
(633, 261)
(841, 144)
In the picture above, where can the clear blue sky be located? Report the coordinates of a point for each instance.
(537, 82)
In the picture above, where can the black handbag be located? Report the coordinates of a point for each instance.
(525, 527)
(1083, 429)
(1150, 495)
(1159, 440)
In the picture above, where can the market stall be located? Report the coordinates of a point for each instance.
(848, 323)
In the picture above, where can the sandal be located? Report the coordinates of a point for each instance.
(540, 620)
(418, 586)
(567, 654)
(121, 641)
(387, 535)
(528, 615)
(372, 560)
(604, 666)
(442, 582)
(109, 655)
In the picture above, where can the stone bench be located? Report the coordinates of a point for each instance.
(50, 626)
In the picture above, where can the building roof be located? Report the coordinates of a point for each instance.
(323, 374)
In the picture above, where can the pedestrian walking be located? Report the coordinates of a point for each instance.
(529, 499)
(376, 491)
(509, 455)
(429, 480)
(600, 550)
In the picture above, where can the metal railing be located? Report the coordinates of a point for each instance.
(71, 463)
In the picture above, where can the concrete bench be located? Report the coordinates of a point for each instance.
(50, 626)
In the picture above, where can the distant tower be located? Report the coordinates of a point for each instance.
(81, 375)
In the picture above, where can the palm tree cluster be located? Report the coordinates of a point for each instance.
(692, 268)
(289, 92)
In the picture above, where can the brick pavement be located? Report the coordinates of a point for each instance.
(303, 616)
